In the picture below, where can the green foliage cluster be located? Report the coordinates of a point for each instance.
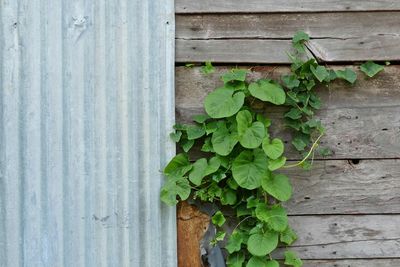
(242, 174)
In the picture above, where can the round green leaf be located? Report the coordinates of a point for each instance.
(257, 262)
(223, 103)
(274, 149)
(263, 243)
(249, 168)
(275, 217)
(195, 132)
(223, 141)
(275, 164)
(266, 90)
(178, 166)
(198, 171)
(175, 186)
(272, 263)
(250, 134)
(278, 186)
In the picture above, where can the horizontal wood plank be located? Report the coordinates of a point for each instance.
(362, 121)
(346, 187)
(284, 26)
(353, 263)
(232, 51)
(250, 6)
(275, 51)
(346, 236)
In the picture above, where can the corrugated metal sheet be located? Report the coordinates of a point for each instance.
(87, 101)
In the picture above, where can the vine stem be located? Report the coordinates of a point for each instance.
(313, 147)
(241, 223)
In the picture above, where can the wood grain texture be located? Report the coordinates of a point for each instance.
(250, 6)
(275, 51)
(346, 187)
(232, 51)
(283, 26)
(353, 263)
(362, 121)
(192, 224)
(346, 236)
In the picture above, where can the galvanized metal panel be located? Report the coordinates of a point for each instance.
(87, 101)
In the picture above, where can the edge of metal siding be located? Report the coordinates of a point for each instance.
(86, 105)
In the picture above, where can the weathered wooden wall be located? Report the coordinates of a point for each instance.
(347, 208)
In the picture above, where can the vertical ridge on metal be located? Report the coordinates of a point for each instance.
(86, 105)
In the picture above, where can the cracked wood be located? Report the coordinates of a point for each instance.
(256, 38)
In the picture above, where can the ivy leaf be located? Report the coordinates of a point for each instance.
(371, 69)
(223, 103)
(261, 244)
(200, 118)
(278, 186)
(235, 75)
(249, 168)
(234, 242)
(347, 74)
(293, 96)
(319, 72)
(220, 236)
(264, 120)
(291, 259)
(294, 124)
(298, 41)
(294, 114)
(275, 164)
(274, 149)
(194, 132)
(178, 166)
(288, 236)
(250, 134)
(275, 217)
(228, 197)
(300, 36)
(207, 146)
(175, 186)
(299, 144)
(208, 68)
(187, 145)
(201, 169)
(176, 136)
(290, 81)
(235, 260)
(223, 141)
(218, 219)
(232, 183)
(211, 127)
(315, 101)
(189, 65)
(324, 151)
(267, 90)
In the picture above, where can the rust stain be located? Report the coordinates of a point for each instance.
(192, 225)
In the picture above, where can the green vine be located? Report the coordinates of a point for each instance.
(241, 172)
